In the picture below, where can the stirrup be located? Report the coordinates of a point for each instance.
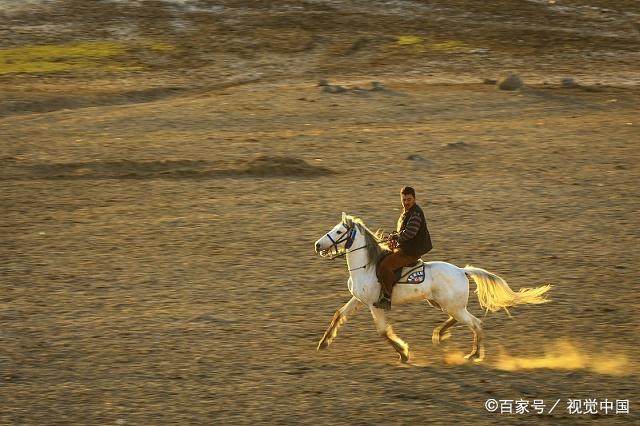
(383, 303)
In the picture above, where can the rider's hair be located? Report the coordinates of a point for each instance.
(408, 190)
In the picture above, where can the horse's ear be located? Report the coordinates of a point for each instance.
(344, 217)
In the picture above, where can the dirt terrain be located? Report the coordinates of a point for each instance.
(167, 165)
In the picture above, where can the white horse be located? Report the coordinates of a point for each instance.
(440, 283)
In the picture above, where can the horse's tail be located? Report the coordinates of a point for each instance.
(494, 293)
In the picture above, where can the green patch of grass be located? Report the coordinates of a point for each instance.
(416, 44)
(408, 40)
(102, 55)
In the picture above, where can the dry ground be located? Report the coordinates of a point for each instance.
(155, 272)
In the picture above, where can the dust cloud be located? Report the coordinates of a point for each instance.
(565, 355)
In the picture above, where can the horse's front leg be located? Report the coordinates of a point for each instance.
(385, 330)
(339, 318)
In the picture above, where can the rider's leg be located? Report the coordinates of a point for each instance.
(387, 276)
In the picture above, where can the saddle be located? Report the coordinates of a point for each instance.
(412, 274)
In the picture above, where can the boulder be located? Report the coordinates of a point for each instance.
(511, 82)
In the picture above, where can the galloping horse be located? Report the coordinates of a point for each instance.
(439, 283)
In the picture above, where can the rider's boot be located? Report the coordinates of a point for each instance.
(383, 303)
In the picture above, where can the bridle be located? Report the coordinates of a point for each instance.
(348, 238)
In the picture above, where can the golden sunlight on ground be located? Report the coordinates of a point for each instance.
(564, 355)
(166, 167)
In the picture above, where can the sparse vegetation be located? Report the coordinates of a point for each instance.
(167, 165)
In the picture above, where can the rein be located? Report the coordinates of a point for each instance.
(348, 237)
(343, 253)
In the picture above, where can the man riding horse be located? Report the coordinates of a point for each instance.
(407, 244)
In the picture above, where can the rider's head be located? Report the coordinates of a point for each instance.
(408, 197)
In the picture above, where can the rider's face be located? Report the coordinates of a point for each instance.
(408, 201)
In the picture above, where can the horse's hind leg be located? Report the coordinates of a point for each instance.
(477, 352)
(441, 332)
(339, 318)
(385, 330)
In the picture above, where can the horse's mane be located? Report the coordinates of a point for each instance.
(376, 247)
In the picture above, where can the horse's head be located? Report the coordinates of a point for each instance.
(340, 237)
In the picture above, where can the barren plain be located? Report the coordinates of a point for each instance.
(167, 165)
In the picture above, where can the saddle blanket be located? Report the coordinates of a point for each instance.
(413, 274)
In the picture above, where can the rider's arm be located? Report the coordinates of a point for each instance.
(411, 229)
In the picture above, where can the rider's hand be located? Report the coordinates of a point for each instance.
(392, 241)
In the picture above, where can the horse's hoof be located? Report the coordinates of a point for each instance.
(435, 338)
(322, 345)
(473, 357)
(404, 358)
(434, 304)
(438, 338)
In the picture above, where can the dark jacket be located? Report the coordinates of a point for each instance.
(412, 242)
